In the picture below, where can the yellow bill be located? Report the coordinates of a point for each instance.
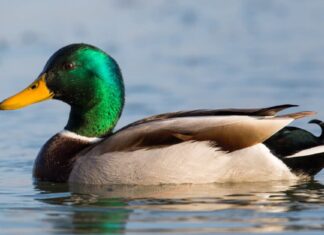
(34, 93)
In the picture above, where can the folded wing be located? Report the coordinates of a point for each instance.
(228, 130)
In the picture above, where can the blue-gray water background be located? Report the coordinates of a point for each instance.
(174, 55)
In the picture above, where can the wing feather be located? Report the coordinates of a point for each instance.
(268, 111)
(229, 133)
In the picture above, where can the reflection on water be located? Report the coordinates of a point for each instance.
(209, 208)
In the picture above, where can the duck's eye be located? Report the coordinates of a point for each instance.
(68, 66)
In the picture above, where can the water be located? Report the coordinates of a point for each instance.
(196, 209)
(174, 55)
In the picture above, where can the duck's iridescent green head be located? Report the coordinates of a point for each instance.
(80, 75)
(84, 77)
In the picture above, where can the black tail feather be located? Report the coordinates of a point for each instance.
(309, 165)
(291, 140)
(321, 125)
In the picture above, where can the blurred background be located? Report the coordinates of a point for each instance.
(174, 55)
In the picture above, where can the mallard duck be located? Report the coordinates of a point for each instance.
(199, 146)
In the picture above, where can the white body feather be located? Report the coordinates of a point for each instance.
(188, 162)
(308, 152)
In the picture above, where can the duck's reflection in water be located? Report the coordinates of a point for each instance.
(248, 207)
